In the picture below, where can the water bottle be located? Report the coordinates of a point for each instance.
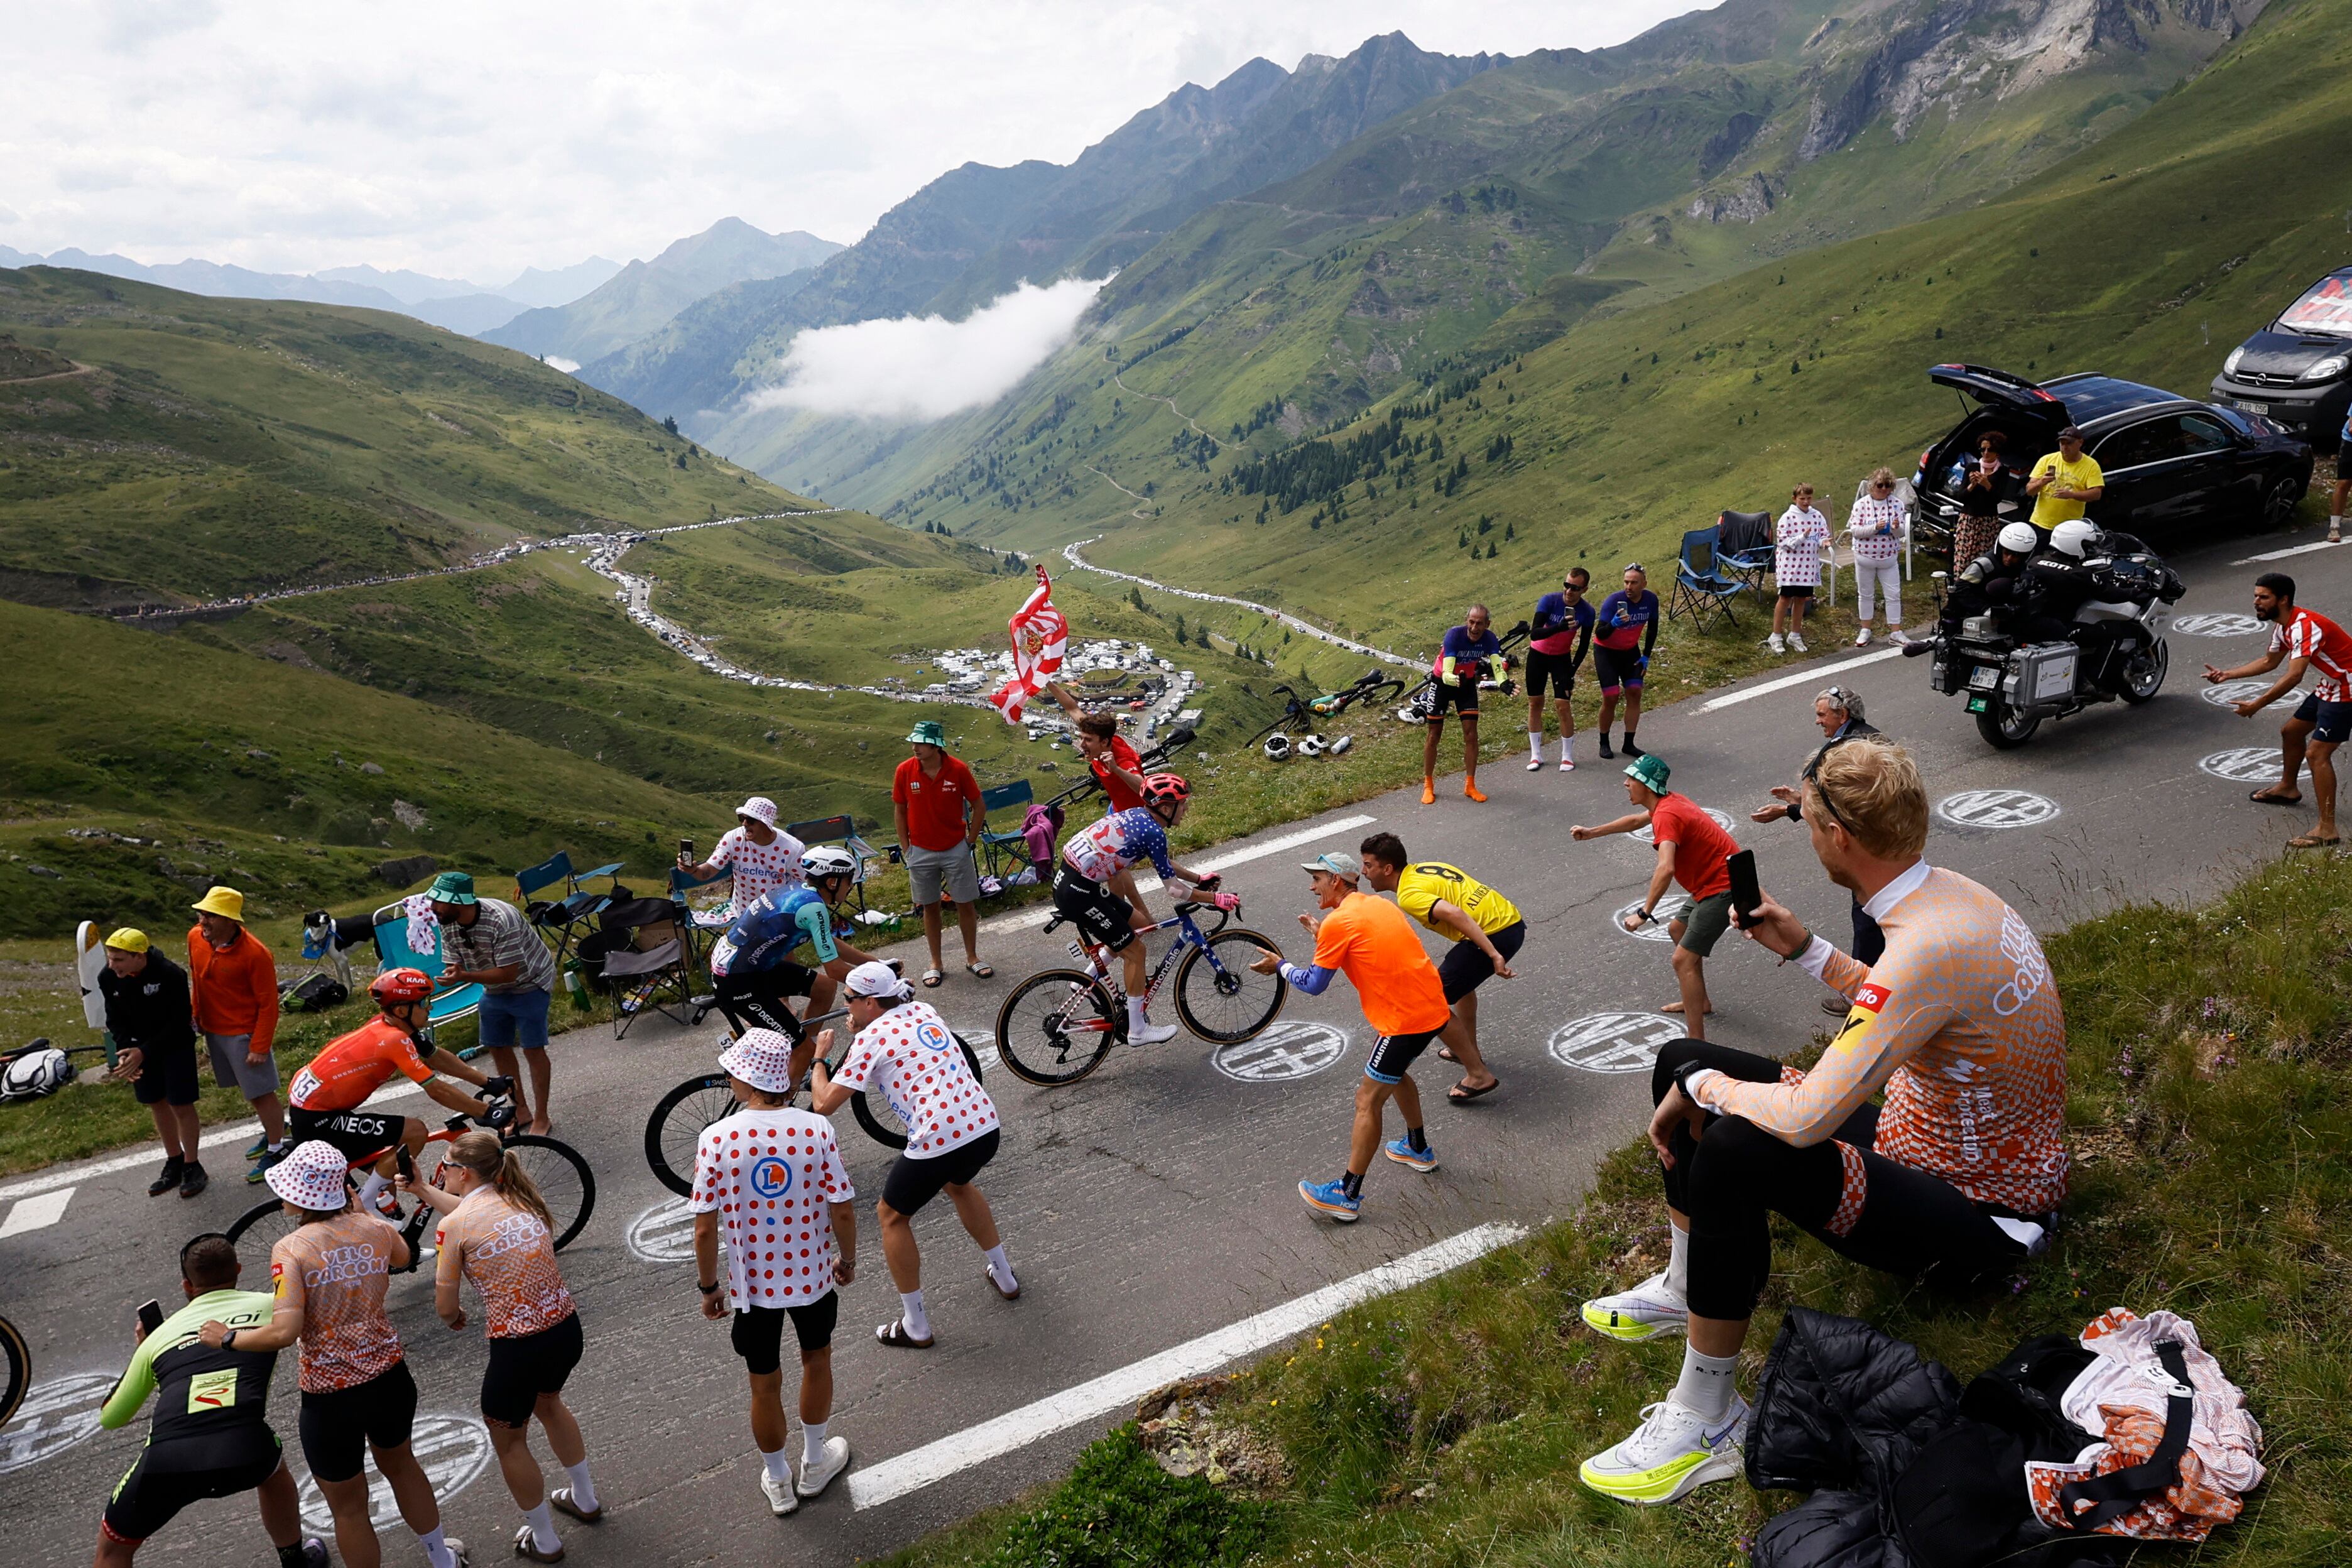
(575, 987)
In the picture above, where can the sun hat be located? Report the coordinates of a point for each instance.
(760, 809)
(929, 732)
(225, 903)
(876, 979)
(1337, 862)
(453, 888)
(311, 1177)
(762, 1059)
(1650, 771)
(130, 938)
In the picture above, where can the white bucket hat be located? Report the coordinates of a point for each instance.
(760, 809)
(762, 1059)
(311, 1177)
(877, 979)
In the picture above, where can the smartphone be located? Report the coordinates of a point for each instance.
(685, 849)
(1746, 896)
(405, 1161)
(150, 1315)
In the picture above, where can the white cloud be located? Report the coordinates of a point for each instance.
(566, 365)
(927, 367)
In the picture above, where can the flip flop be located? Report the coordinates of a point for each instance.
(894, 1334)
(932, 977)
(2313, 841)
(2264, 797)
(1461, 1094)
(1446, 1054)
(981, 970)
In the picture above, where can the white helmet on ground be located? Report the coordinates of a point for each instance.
(828, 860)
(41, 1071)
(2017, 538)
(2074, 537)
(1277, 748)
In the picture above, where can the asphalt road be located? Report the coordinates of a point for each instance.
(1153, 1204)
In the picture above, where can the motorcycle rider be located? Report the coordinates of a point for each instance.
(2062, 583)
(1985, 584)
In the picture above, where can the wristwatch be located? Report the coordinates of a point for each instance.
(1647, 917)
(1683, 1076)
(711, 1289)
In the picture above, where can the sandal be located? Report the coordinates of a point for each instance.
(932, 977)
(894, 1334)
(1463, 1094)
(527, 1546)
(1011, 1295)
(2264, 797)
(2313, 841)
(1446, 1054)
(561, 1501)
(981, 971)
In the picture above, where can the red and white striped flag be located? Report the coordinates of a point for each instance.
(1040, 636)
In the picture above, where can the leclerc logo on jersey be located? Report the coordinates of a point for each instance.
(931, 1037)
(771, 1177)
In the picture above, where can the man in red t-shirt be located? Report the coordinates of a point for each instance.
(937, 802)
(1114, 764)
(2308, 644)
(1694, 850)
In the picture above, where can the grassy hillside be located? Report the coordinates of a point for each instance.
(198, 448)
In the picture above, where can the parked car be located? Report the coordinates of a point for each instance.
(2177, 470)
(2297, 371)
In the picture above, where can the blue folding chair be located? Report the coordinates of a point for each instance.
(392, 952)
(1003, 855)
(572, 915)
(1702, 592)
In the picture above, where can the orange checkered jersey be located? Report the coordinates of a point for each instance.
(510, 1255)
(337, 1270)
(1960, 1024)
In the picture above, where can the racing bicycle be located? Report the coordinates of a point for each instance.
(1369, 686)
(676, 1125)
(1423, 698)
(1059, 1025)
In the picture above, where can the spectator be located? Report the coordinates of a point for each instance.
(1625, 630)
(1693, 851)
(232, 983)
(2064, 481)
(758, 856)
(1559, 636)
(1838, 713)
(147, 1013)
(1467, 654)
(1875, 527)
(1988, 484)
(1116, 765)
(937, 802)
(1799, 539)
(489, 943)
(1488, 930)
(2306, 642)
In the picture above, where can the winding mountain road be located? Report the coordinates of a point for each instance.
(1070, 553)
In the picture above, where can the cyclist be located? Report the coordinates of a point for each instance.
(1094, 890)
(1559, 637)
(1625, 633)
(903, 1051)
(495, 1231)
(210, 1436)
(330, 1276)
(755, 963)
(1464, 657)
(1489, 932)
(1372, 944)
(767, 1175)
(329, 1092)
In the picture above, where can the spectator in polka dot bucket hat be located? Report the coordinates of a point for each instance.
(311, 1177)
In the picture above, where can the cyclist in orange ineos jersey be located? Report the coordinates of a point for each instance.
(328, 1092)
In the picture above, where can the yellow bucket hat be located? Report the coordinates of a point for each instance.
(130, 938)
(227, 902)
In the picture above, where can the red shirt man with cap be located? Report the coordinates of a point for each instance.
(1694, 850)
(936, 800)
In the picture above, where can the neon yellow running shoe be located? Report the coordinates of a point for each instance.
(1644, 1312)
(1673, 1453)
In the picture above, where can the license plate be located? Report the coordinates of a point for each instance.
(2251, 407)
(1984, 677)
(1976, 704)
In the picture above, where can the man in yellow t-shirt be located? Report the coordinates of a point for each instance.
(1489, 930)
(2064, 482)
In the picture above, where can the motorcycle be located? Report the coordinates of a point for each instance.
(2117, 651)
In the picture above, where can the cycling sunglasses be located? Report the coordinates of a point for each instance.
(1812, 777)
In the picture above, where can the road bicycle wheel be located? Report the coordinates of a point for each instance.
(676, 1127)
(1056, 1027)
(266, 1224)
(563, 1179)
(1224, 1001)
(16, 1371)
(876, 1114)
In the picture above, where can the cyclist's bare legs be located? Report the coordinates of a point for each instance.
(281, 1508)
(525, 1482)
(355, 1542)
(419, 1509)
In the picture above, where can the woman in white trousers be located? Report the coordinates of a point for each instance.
(1875, 527)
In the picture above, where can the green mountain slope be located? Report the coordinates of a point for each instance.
(170, 448)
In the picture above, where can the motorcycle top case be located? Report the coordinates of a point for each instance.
(2044, 673)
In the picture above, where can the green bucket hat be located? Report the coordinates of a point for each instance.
(452, 888)
(929, 732)
(1651, 771)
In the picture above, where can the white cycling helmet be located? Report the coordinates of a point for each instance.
(827, 860)
(2017, 538)
(1312, 746)
(36, 1073)
(1277, 748)
(2074, 537)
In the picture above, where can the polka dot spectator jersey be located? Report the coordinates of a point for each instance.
(509, 1255)
(909, 1058)
(770, 1176)
(757, 868)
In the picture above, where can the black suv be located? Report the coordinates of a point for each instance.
(2297, 371)
(2174, 467)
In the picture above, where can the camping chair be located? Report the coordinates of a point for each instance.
(642, 954)
(392, 952)
(701, 924)
(1004, 855)
(841, 830)
(1701, 592)
(1743, 547)
(567, 917)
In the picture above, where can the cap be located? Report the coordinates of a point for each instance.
(311, 1177)
(762, 1059)
(2072, 432)
(225, 903)
(929, 732)
(130, 938)
(1650, 771)
(452, 888)
(1337, 862)
(760, 809)
(876, 978)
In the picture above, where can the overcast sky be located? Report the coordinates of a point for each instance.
(474, 140)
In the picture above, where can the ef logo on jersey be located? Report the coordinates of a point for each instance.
(276, 1277)
(771, 1177)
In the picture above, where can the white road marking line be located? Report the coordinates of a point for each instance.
(1029, 918)
(2282, 555)
(1802, 678)
(37, 1213)
(895, 1477)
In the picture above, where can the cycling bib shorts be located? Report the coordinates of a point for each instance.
(1618, 670)
(524, 1366)
(757, 1333)
(1556, 670)
(1393, 1054)
(1100, 915)
(168, 1477)
(355, 1133)
(338, 1425)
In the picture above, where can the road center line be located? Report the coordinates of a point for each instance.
(895, 1477)
(1030, 918)
(1802, 678)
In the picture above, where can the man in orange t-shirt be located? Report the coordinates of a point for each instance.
(1373, 943)
(936, 800)
(233, 988)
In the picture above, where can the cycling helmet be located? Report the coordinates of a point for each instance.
(39, 1069)
(2017, 538)
(1312, 746)
(1277, 748)
(2074, 537)
(395, 986)
(827, 860)
(1166, 789)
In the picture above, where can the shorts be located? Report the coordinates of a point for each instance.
(913, 1183)
(2343, 458)
(164, 1480)
(2331, 722)
(1555, 669)
(511, 1019)
(1465, 968)
(357, 1133)
(1463, 699)
(1618, 667)
(1705, 922)
(1393, 1054)
(167, 1075)
(1100, 915)
(526, 1366)
(253, 1079)
(756, 1000)
(1797, 589)
(338, 1425)
(759, 1331)
(927, 869)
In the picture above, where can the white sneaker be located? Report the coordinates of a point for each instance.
(1673, 1452)
(815, 1479)
(1644, 1312)
(1862, 636)
(781, 1501)
(1776, 644)
(1151, 1034)
(1797, 642)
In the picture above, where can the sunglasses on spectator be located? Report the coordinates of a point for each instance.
(1882, 484)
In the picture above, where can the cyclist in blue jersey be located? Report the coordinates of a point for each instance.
(1627, 630)
(1469, 654)
(1559, 637)
(756, 963)
(1095, 889)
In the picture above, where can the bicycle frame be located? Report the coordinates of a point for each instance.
(1096, 957)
